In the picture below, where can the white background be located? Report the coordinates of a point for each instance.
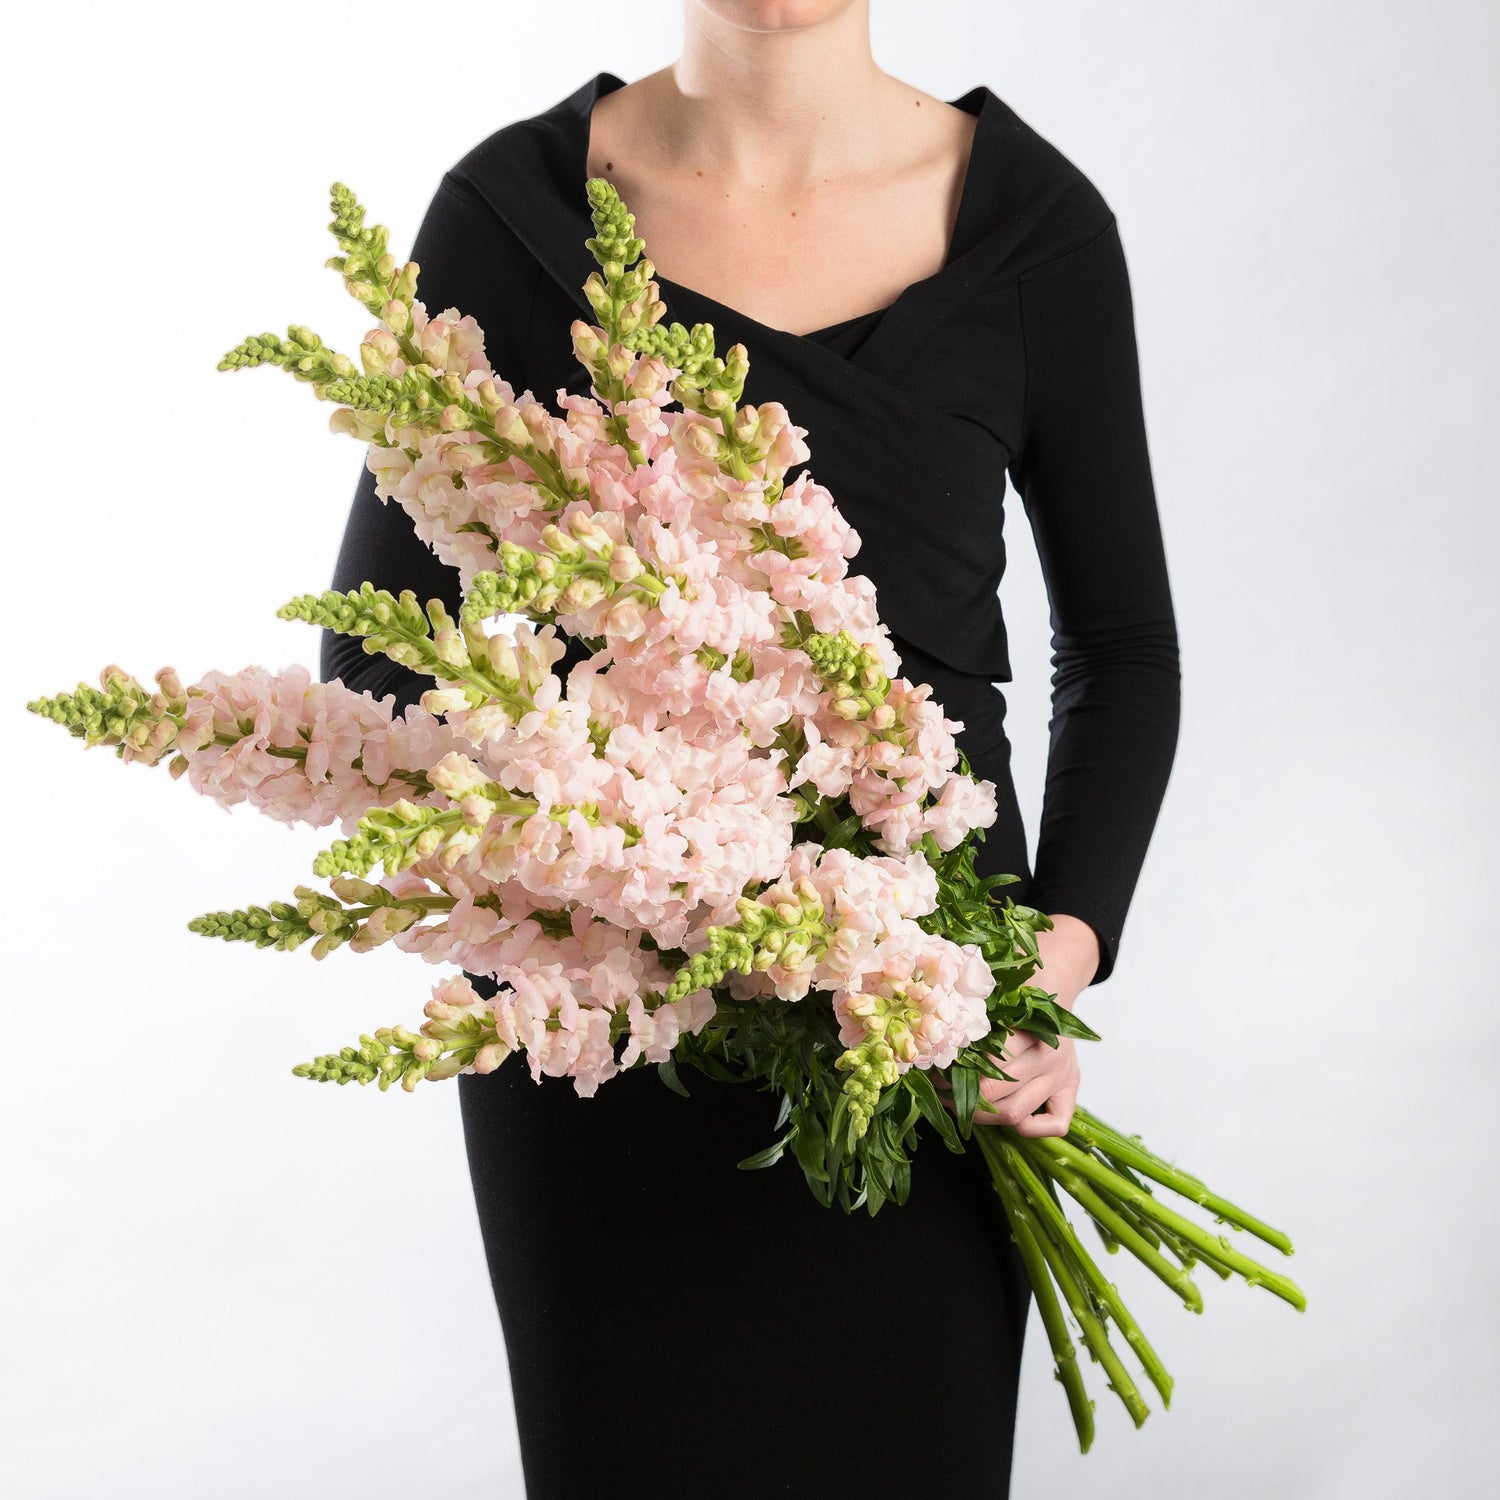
(221, 1281)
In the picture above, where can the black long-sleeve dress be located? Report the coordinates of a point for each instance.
(674, 1327)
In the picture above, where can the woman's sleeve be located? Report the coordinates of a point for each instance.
(468, 259)
(1084, 477)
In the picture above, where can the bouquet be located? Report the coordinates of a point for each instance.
(735, 839)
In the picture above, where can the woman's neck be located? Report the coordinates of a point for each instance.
(747, 105)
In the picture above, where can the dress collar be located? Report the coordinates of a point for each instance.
(533, 174)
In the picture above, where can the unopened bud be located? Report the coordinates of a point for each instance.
(580, 594)
(396, 316)
(539, 426)
(476, 808)
(444, 700)
(509, 427)
(502, 657)
(649, 377)
(587, 345)
(351, 888)
(619, 360)
(489, 1057)
(625, 563)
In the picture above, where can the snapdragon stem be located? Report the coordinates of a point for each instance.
(1194, 1255)
(1173, 1276)
(1147, 1231)
(1158, 1235)
(1027, 1234)
(1077, 1188)
(1059, 1257)
(428, 904)
(416, 779)
(1163, 1239)
(1253, 1271)
(1088, 1130)
(549, 474)
(1105, 1290)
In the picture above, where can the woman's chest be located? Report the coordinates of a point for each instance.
(790, 260)
(934, 383)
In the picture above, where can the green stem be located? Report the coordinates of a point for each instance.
(505, 691)
(1108, 1293)
(1147, 1232)
(1128, 1235)
(1026, 1234)
(417, 780)
(1059, 1257)
(1254, 1273)
(428, 904)
(1092, 1131)
(548, 473)
(1161, 1238)
(1158, 1235)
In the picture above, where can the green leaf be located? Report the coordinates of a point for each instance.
(843, 833)
(1070, 1025)
(838, 1134)
(667, 1072)
(822, 1191)
(767, 1158)
(911, 1112)
(706, 1063)
(925, 1095)
(901, 1181)
(965, 1082)
(987, 1066)
(810, 1145)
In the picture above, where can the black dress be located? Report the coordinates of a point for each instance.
(675, 1327)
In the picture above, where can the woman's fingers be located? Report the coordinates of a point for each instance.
(1020, 1111)
(1017, 1107)
(1022, 1099)
(1016, 1045)
(1039, 1074)
(1031, 1062)
(1056, 1117)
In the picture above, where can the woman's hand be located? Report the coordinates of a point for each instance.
(1046, 1078)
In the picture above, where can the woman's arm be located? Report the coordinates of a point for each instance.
(468, 259)
(1084, 476)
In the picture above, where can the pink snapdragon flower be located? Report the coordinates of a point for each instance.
(942, 988)
(630, 808)
(339, 750)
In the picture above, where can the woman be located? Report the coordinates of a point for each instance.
(937, 295)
